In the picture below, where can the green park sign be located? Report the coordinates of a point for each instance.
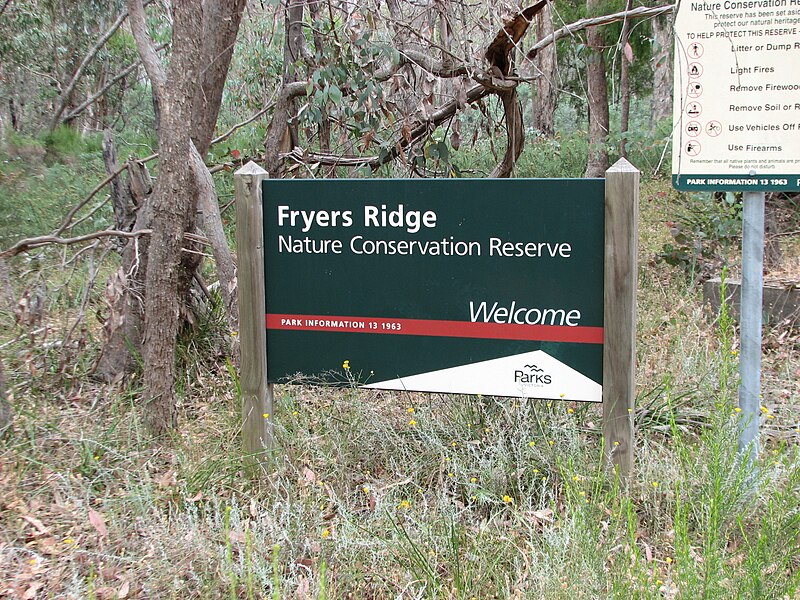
(490, 287)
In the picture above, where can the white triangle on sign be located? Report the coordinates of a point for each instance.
(529, 375)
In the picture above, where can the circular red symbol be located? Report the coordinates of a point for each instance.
(695, 50)
(693, 148)
(693, 128)
(713, 128)
(694, 90)
(695, 70)
(693, 109)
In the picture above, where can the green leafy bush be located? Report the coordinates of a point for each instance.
(63, 141)
(705, 226)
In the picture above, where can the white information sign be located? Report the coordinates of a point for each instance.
(737, 95)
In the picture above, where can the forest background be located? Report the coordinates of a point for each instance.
(122, 469)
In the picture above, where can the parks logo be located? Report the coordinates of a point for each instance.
(532, 375)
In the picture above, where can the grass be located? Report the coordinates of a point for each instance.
(480, 497)
(371, 494)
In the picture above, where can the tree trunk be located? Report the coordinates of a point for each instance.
(124, 208)
(662, 68)
(173, 201)
(188, 97)
(212, 227)
(545, 100)
(597, 92)
(221, 20)
(281, 134)
(125, 290)
(624, 81)
(15, 112)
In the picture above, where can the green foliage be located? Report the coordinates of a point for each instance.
(560, 156)
(42, 42)
(36, 197)
(22, 31)
(705, 226)
(64, 141)
(122, 46)
(350, 67)
(648, 144)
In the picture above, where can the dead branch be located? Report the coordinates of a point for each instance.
(247, 121)
(410, 28)
(431, 65)
(499, 55)
(420, 130)
(637, 13)
(46, 240)
(497, 81)
(515, 134)
(500, 50)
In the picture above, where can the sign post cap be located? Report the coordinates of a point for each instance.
(251, 168)
(623, 165)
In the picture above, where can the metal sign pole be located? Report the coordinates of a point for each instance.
(751, 316)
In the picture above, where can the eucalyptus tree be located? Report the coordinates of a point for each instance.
(159, 268)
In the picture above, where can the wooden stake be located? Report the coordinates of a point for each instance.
(619, 349)
(257, 394)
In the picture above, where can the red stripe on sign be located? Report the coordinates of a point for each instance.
(459, 329)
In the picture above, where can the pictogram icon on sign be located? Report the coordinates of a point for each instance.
(695, 70)
(713, 128)
(694, 109)
(695, 50)
(693, 128)
(694, 90)
(693, 148)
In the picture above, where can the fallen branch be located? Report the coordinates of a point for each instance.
(45, 240)
(420, 130)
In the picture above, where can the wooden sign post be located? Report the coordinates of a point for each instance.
(257, 394)
(619, 347)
